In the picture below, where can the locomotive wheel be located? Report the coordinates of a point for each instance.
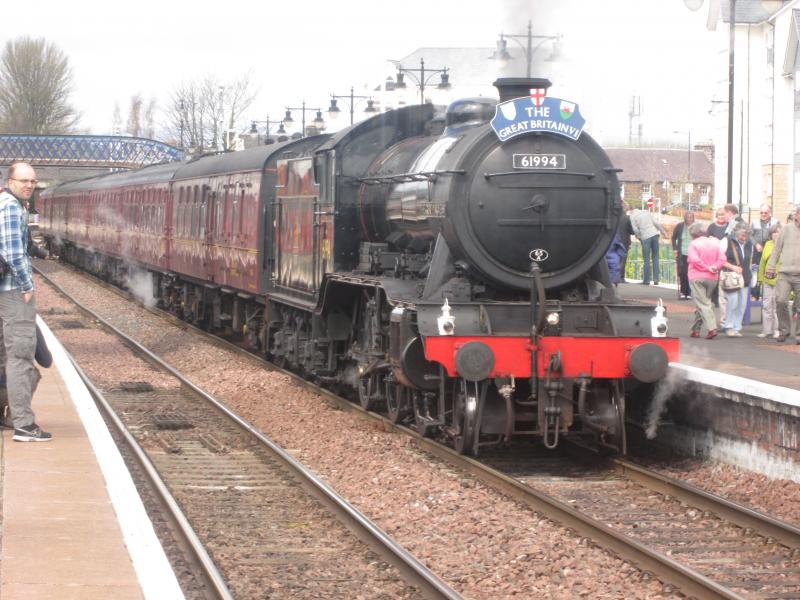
(369, 391)
(618, 399)
(398, 402)
(614, 440)
(465, 416)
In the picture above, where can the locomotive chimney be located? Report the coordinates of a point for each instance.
(519, 87)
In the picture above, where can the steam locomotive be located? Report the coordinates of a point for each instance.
(444, 267)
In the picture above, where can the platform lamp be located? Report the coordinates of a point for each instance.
(502, 54)
(421, 77)
(269, 124)
(318, 121)
(350, 100)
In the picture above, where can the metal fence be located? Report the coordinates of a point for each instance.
(666, 263)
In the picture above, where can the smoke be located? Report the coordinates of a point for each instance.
(140, 284)
(610, 52)
(666, 389)
(350, 376)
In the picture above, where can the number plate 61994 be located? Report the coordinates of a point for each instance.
(540, 161)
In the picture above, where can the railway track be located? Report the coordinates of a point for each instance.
(706, 546)
(697, 543)
(256, 521)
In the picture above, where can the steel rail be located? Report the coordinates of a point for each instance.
(215, 582)
(743, 516)
(412, 570)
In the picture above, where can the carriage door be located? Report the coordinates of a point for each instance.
(213, 224)
(295, 238)
(323, 217)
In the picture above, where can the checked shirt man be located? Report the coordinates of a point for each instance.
(17, 303)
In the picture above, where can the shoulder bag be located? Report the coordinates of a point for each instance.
(730, 280)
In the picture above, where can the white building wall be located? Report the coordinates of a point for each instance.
(763, 116)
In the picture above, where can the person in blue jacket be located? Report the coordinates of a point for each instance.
(615, 257)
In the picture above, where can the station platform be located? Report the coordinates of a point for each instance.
(749, 357)
(73, 525)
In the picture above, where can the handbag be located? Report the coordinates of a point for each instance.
(730, 280)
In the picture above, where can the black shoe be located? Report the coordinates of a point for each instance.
(781, 338)
(31, 433)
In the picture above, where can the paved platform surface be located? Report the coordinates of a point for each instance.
(73, 526)
(759, 359)
(60, 535)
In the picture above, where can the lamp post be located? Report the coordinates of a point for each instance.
(731, 45)
(740, 108)
(421, 77)
(502, 46)
(267, 139)
(319, 122)
(334, 110)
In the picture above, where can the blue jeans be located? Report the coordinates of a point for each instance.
(736, 302)
(650, 249)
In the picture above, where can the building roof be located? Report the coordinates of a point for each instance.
(661, 164)
(751, 11)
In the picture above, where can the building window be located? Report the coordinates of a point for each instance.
(676, 193)
(647, 190)
(622, 191)
(703, 191)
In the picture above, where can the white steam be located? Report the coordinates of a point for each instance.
(665, 389)
(140, 284)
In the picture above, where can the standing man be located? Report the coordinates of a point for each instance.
(732, 217)
(761, 230)
(648, 229)
(680, 246)
(787, 252)
(17, 304)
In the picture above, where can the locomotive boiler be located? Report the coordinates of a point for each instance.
(445, 267)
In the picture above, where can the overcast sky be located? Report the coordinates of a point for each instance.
(612, 49)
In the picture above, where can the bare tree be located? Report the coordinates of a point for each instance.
(116, 124)
(135, 116)
(35, 85)
(202, 111)
(148, 125)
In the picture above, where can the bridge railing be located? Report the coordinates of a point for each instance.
(111, 151)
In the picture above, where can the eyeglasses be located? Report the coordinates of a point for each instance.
(26, 181)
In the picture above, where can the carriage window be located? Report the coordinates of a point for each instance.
(194, 215)
(181, 213)
(218, 222)
(203, 202)
(241, 212)
(234, 215)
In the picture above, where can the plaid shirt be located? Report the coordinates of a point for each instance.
(14, 244)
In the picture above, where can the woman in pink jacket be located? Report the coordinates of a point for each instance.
(704, 260)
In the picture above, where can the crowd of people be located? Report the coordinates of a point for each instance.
(723, 264)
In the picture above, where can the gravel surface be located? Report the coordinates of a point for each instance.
(779, 498)
(480, 542)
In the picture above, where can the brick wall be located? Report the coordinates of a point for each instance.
(781, 200)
